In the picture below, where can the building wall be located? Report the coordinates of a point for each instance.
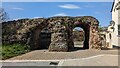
(107, 40)
(109, 36)
(119, 24)
(114, 33)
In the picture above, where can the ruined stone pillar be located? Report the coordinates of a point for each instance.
(58, 38)
(70, 41)
(95, 42)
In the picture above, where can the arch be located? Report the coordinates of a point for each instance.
(78, 38)
(86, 29)
(35, 35)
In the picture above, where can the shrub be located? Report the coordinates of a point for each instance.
(11, 50)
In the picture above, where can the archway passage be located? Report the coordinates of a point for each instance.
(78, 38)
(86, 29)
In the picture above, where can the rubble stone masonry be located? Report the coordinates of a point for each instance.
(28, 31)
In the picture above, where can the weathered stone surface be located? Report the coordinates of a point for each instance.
(95, 42)
(28, 31)
(58, 40)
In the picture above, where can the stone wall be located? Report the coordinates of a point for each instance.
(95, 42)
(58, 40)
(28, 31)
(19, 30)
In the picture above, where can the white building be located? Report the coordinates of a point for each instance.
(113, 32)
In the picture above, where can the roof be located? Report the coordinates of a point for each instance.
(115, 5)
(112, 5)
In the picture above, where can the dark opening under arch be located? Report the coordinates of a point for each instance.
(45, 37)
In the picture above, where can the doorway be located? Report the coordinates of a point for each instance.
(45, 39)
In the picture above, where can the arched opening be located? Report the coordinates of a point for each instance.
(78, 38)
(45, 38)
(86, 29)
(40, 38)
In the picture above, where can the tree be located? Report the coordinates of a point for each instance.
(102, 28)
(3, 15)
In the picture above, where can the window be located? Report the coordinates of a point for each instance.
(110, 36)
(119, 30)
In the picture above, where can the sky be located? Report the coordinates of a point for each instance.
(99, 10)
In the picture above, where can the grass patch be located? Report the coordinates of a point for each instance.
(11, 50)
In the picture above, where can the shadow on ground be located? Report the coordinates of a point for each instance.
(76, 49)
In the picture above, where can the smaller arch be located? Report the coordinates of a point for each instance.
(78, 38)
(86, 29)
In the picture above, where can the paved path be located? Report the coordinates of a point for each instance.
(45, 55)
(98, 60)
(79, 58)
